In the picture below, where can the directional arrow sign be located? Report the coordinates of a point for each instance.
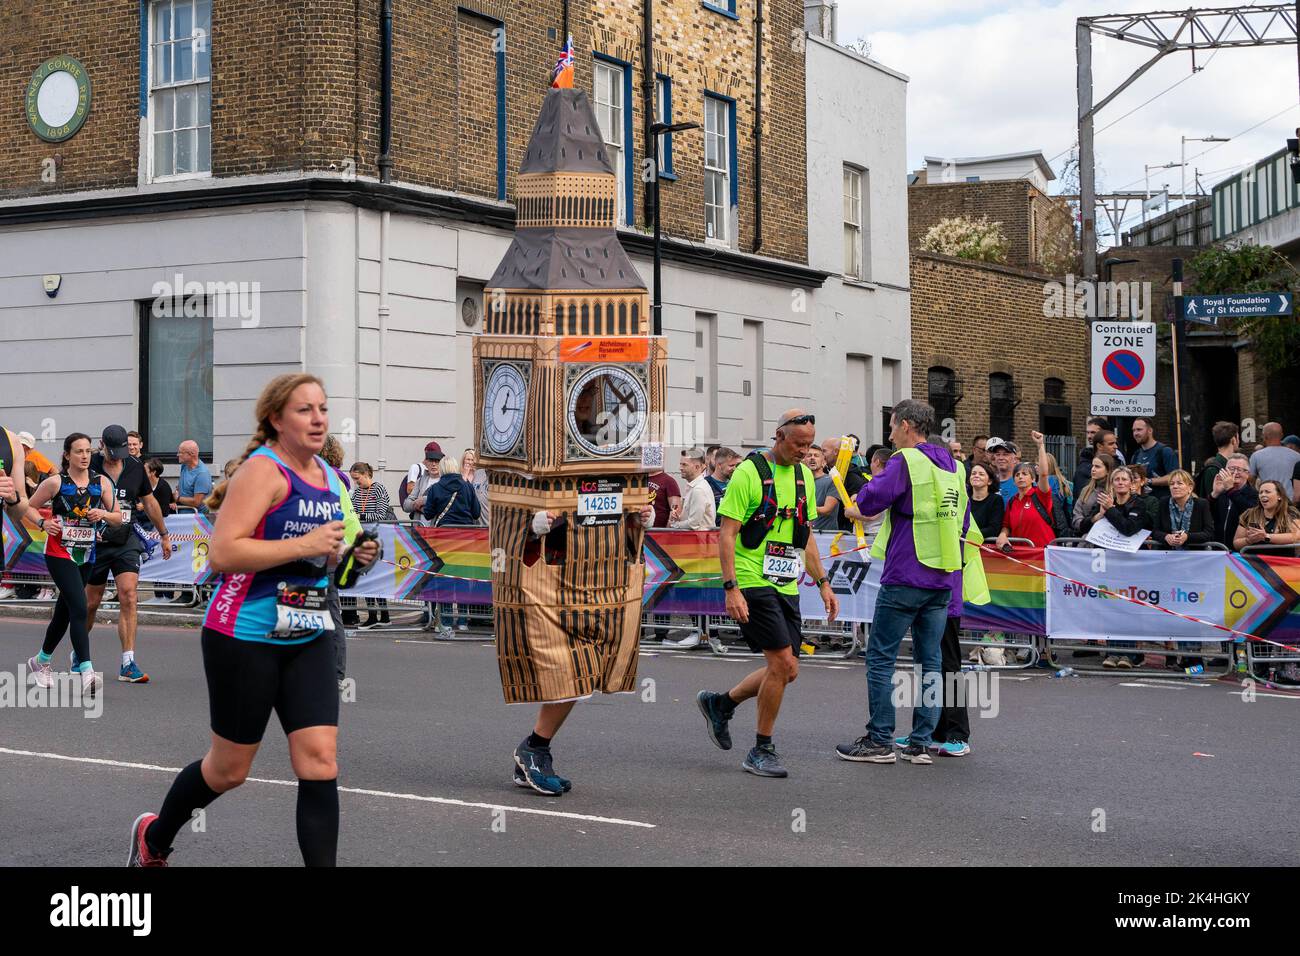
(1240, 305)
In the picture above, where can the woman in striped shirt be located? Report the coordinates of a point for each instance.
(370, 499)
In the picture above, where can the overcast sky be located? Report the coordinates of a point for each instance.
(998, 76)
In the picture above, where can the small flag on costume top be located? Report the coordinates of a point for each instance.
(562, 75)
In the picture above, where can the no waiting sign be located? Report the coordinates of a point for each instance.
(1123, 368)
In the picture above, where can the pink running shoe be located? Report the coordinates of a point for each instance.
(141, 855)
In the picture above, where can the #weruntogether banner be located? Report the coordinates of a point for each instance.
(1189, 582)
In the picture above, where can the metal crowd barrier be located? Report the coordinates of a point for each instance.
(845, 639)
(840, 638)
(1019, 651)
(1218, 651)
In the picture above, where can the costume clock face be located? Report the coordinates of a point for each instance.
(505, 400)
(607, 411)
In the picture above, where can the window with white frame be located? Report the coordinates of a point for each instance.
(180, 89)
(664, 114)
(717, 168)
(852, 222)
(609, 113)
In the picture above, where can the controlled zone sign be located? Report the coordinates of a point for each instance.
(1123, 368)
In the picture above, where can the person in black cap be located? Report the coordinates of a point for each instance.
(418, 480)
(120, 549)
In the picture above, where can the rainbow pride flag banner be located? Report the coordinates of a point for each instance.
(1263, 596)
(1019, 595)
(16, 541)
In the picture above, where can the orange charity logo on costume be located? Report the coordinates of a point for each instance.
(604, 350)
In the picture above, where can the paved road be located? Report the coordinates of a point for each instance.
(429, 741)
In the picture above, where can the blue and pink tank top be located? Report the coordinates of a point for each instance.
(244, 605)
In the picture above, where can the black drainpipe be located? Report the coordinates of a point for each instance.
(758, 127)
(648, 96)
(386, 97)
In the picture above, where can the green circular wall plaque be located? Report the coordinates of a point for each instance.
(58, 99)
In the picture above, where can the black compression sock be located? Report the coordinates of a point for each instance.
(189, 792)
(727, 703)
(318, 821)
(537, 741)
(762, 740)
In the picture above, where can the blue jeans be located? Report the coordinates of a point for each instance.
(925, 611)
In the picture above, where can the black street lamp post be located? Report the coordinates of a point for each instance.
(657, 130)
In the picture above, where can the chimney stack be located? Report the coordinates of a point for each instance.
(819, 18)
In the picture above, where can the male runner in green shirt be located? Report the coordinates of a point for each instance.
(763, 551)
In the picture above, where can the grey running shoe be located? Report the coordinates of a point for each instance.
(863, 750)
(718, 715)
(915, 753)
(764, 761)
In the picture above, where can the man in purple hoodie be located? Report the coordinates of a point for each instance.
(922, 553)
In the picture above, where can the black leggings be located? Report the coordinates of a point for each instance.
(954, 721)
(70, 609)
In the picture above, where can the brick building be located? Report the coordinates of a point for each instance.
(1027, 214)
(234, 152)
(983, 351)
(984, 354)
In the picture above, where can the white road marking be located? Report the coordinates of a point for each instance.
(448, 801)
(1260, 693)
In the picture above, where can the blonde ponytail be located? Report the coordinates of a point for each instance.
(274, 397)
(219, 493)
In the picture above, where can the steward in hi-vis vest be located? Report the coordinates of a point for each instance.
(922, 493)
(939, 509)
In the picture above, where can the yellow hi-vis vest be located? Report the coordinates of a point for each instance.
(939, 505)
(351, 521)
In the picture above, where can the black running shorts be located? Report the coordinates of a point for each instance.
(249, 679)
(774, 620)
(119, 559)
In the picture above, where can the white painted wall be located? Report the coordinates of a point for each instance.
(72, 361)
(857, 115)
(1024, 167)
